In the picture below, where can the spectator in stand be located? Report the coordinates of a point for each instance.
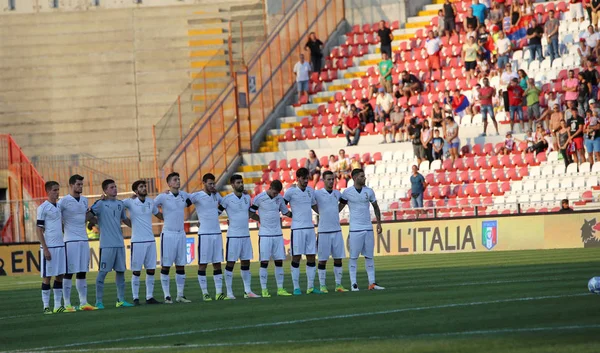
(592, 136)
(410, 84)
(451, 137)
(366, 113)
(470, 23)
(496, 14)
(302, 71)
(414, 133)
(460, 104)
(523, 78)
(440, 27)
(355, 163)
(527, 8)
(585, 54)
(507, 19)
(471, 33)
(394, 125)
(509, 145)
(386, 67)
(515, 14)
(437, 115)
(540, 144)
(594, 7)
(469, 56)
(486, 96)
(583, 94)
(433, 46)
(438, 145)
(595, 106)
(343, 165)
(505, 80)
(535, 34)
(333, 166)
(504, 50)
(450, 12)
(564, 206)
(570, 86)
(592, 77)
(314, 167)
(383, 105)
(385, 38)
(426, 140)
(550, 141)
(315, 47)
(564, 141)
(575, 124)
(551, 30)
(479, 11)
(555, 118)
(576, 10)
(515, 101)
(587, 6)
(417, 189)
(532, 97)
(352, 128)
(591, 39)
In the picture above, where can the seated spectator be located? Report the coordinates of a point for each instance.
(591, 39)
(585, 54)
(564, 206)
(540, 144)
(515, 101)
(333, 165)
(549, 141)
(352, 128)
(437, 115)
(410, 84)
(594, 106)
(383, 105)
(469, 56)
(509, 145)
(366, 113)
(343, 165)
(394, 125)
(532, 97)
(314, 167)
(451, 137)
(355, 163)
(386, 67)
(414, 133)
(460, 104)
(438, 145)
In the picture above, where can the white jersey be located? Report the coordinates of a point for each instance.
(73, 217)
(329, 214)
(360, 207)
(173, 209)
(237, 212)
(269, 209)
(207, 208)
(140, 214)
(301, 202)
(50, 220)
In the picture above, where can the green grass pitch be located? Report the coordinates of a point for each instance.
(519, 301)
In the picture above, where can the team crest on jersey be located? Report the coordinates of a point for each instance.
(246, 201)
(190, 247)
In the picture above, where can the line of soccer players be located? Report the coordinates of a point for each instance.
(64, 256)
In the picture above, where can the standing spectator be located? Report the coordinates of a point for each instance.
(470, 23)
(460, 104)
(302, 72)
(486, 96)
(507, 19)
(385, 38)
(469, 56)
(523, 78)
(576, 10)
(551, 30)
(449, 18)
(570, 86)
(394, 125)
(587, 5)
(437, 115)
(509, 145)
(555, 118)
(496, 14)
(535, 34)
(505, 80)
(426, 139)
(575, 124)
(432, 46)
(479, 11)
(592, 136)
(594, 10)
(564, 206)
(504, 49)
(440, 26)
(515, 14)
(314, 167)
(417, 188)
(383, 105)
(550, 142)
(527, 8)
(532, 97)
(583, 95)
(315, 47)
(343, 165)
(515, 101)
(593, 78)
(414, 133)
(564, 140)
(438, 145)
(451, 136)
(385, 72)
(410, 84)
(352, 128)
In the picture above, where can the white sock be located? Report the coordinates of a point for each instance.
(310, 276)
(57, 297)
(165, 283)
(46, 297)
(67, 285)
(203, 284)
(352, 270)
(229, 282)
(180, 282)
(295, 276)
(264, 276)
(322, 277)
(370, 266)
(337, 272)
(135, 286)
(81, 285)
(149, 286)
(279, 276)
(218, 283)
(247, 278)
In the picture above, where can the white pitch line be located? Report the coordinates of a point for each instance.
(339, 339)
(300, 321)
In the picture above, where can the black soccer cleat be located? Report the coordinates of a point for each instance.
(152, 301)
(136, 302)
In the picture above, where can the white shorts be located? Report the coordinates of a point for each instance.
(57, 265)
(361, 242)
(210, 248)
(112, 259)
(330, 244)
(143, 254)
(271, 248)
(77, 253)
(576, 11)
(304, 242)
(173, 249)
(238, 249)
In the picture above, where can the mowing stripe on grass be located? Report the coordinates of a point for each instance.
(300, 321)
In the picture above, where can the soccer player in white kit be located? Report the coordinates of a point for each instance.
(237, 205)
(362, 241)
(269, 205)
(143, 245)
(330, 241)
(173, 239)
(74, 211)
(304, 240)
(210, 240)
(52, 248)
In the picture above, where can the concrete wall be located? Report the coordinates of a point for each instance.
(370, 11)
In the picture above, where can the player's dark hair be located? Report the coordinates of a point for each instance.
(106, 183)
(136, 184)
(326, 173)
(234, 178)
(207, 177)
(302, 173)
(50, 184)
(356, 171)
(564, 201)
(74, 178)
(172, 175)
(276, 185)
